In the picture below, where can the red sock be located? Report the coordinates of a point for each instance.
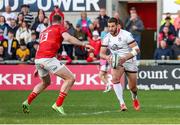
(31, 97)
(61, 98)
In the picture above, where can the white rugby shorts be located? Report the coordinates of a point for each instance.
(46, 65)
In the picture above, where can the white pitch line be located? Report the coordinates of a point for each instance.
(104, 112)
(164, 106)
(91, 113)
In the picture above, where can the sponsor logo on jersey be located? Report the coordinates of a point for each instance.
(115, 47)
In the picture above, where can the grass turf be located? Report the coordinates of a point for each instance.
(91, 107)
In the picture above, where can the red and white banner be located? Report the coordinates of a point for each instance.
(20, 77)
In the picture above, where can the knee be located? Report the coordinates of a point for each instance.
(71, 80)
(115, 80)
(100, 76)
(47, 82)
(133, 88)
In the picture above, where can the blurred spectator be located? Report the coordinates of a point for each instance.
(176, 49)
(10, 45)
(80, 52)
(13, 26)
(39, 24)
(42, 26)
(33, 40)
(103, 19)
(3, 25)
(79, 34)
(96, 43)
(64, 56)
(168, 24)
(1, 36)
(120, 22)
(177, 20)
(23, 32)
(1, 53)
(23, 52)
(162, 52)
(69, 27)
(28, 17)
(178, 30)
(68, 47)
(9, 15)
(135, 26)
(38, 21)
(131, 11)
(33, 51)
(85, 23)
(55, 12)
(103, 33)
(20, 19)
(95, 26)
(40, 12)
(166, 36)
(46, 22)
(168, 15)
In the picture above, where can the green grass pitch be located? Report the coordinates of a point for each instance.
(91, 107)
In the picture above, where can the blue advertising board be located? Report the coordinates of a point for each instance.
(47, 5)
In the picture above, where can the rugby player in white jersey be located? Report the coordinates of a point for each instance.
(121, 43)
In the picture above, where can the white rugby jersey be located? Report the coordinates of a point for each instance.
(119, 44)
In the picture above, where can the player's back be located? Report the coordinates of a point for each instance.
(50, 41)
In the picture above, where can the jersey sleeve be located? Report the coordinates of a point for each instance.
(63, 29)
(105, 41)
(130, 38)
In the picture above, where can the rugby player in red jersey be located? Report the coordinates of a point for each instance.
(46, 62)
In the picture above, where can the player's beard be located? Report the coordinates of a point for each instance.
(114, 33)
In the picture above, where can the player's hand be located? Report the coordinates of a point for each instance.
(122, 60)
(35, 74)
(109, 59)
(89, 47)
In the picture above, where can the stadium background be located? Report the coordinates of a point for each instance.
(154, 75)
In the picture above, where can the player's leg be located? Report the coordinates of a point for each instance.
(132, 82)
(131, 72)
(69, 79)
(103, 75)
(36, 91)
(118, 88)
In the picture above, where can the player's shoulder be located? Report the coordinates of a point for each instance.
(125, 32)
(107, 36)
(56, 28)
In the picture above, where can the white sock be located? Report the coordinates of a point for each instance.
(134, 95)
(108, 84)
(119, 92)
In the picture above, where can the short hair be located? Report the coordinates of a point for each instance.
(168, 18)
(11, 31)
(56, 18)
(132, 8)
(25, 5)
(22, 42)
(33, 33)
(113, 20)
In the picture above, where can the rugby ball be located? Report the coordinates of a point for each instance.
(115, 60)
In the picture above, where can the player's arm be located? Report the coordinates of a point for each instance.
(134, 51)
(103, 54)
(75, 41)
